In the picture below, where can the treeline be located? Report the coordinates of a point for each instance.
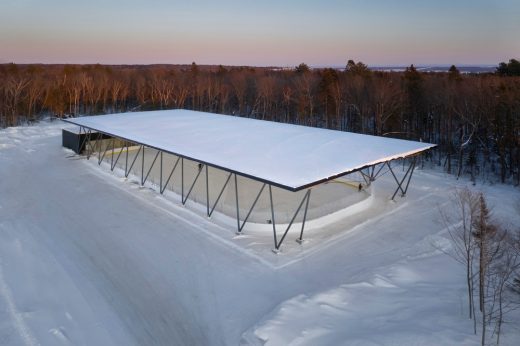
(490, 255)
(475, 119)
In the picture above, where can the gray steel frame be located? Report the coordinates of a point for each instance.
(369, 176)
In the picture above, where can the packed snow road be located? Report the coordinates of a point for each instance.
(86, 262)
(87, 258)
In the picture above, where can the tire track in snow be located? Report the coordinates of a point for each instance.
(23, 329)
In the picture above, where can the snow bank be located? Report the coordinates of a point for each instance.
(404, 304)
(87, 258)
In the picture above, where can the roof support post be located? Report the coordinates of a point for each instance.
(151, 166)
(112, 157)
(142, 168)
(300, 240)
(207, 191)
(126, 160)
(79, 142)
(184, 200)
(89, 148)
(240, 227)
(82, 143)
(104, 153)
(182, 179)
(408, 175)
(98, 141)
(93, 147)
(99, 137)
(133, 162)
(365, 177)
(273, 222)
(220, 195)
(236, 202)
(378, 171)
(171, 173)
(278, 244)
(118, 156)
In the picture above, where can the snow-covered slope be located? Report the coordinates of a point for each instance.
(87, 258)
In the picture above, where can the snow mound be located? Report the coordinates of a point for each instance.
(400, 305)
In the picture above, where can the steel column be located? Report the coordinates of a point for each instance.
(89, 145)
(133, 162)
(112, 157)
(118, 156)
(400, 183)
(250, 210)
(300, 240)
(207, 191)
(191, 187)
(410, 177)
(236, 201)
(142, 167)
(81, 143)
(104, 153)
(126, 161)
(273, 222)
(277, 245)
(171, 173)
(151, 166)
(220, 194)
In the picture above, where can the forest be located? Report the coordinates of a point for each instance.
(474, 118)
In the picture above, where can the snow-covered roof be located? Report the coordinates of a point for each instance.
(289, 156)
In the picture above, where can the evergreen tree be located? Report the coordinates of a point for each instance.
(302, 68)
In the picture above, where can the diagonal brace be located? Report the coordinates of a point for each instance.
(408, 175)
(170, 176)
(143, 180)
(240, 227)
(118, 156)
(133, 162)
(185, 199)
(101, 157)
(220, 194)
(304, 199)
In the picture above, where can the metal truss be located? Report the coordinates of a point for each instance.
(369, 174)
(305, 199)
(408, 174)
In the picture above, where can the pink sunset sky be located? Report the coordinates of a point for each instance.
(281, 33)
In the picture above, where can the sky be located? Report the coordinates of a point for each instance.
(260, 33)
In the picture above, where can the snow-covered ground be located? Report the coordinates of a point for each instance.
(88, 258)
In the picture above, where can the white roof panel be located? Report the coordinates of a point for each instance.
(285, 155)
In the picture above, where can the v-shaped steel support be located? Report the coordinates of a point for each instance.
(408, 174)
(127, 171)
(143, 179)
(185, 199)
(210, 211)
(306, 199)
(113, 164)
(240, 227)
(161, 187)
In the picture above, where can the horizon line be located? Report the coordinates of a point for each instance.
(397, 65)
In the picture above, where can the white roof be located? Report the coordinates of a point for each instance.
(289, 156)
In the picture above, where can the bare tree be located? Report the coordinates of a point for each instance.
(460, 226)
(500, 278)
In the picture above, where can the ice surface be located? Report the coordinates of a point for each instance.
(287, 155)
